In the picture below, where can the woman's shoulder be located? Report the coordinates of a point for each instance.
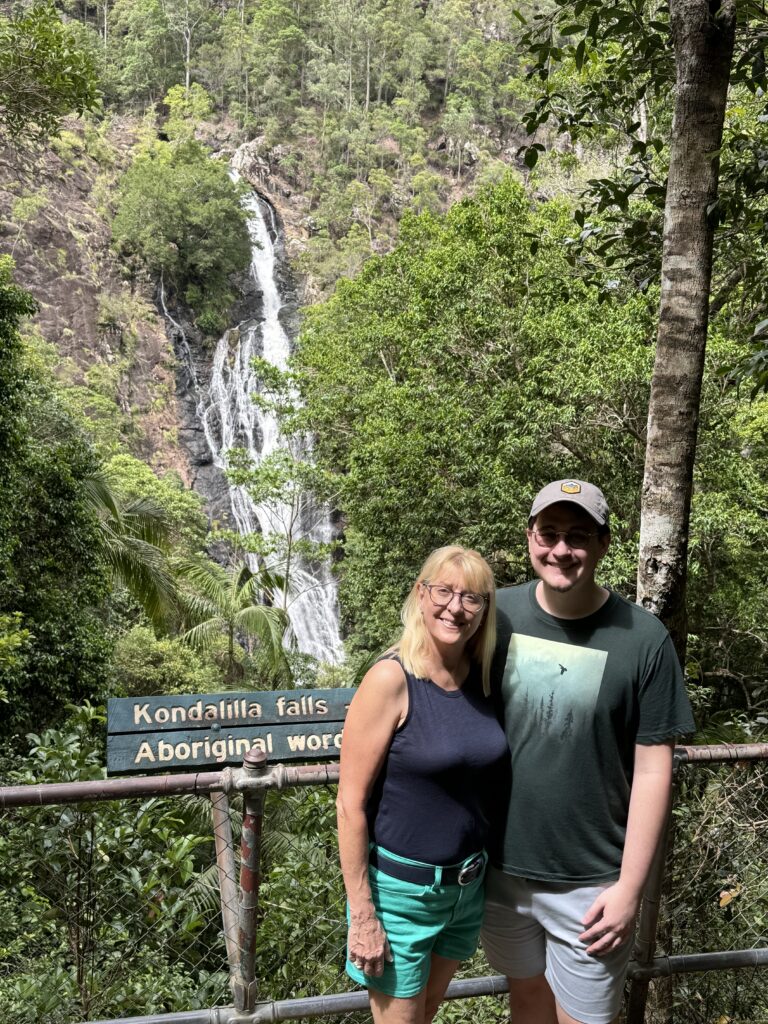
(386, 677)
(383, 694)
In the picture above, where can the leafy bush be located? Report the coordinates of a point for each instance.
(180, 215)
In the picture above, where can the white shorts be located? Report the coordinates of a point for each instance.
(532, 928)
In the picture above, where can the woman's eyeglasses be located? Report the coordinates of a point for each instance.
(442, 596)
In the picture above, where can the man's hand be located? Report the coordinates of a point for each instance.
(610, 920)
(368, 944)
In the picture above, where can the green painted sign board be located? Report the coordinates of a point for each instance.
(211, 730)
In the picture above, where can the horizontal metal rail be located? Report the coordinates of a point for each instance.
(311, 1006)
(230, 780)
(215, 1015)
(345, 1002)
(696, 963)
(464, 988)
(279, 776)
(724, 752)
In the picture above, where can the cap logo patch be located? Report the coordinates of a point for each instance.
(570, 487)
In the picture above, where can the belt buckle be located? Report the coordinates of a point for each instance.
(471, 871)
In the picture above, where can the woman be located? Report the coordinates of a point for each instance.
(421, 755)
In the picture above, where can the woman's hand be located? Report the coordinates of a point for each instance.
(367, 944)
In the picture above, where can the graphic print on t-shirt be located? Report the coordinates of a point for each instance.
(550, 689)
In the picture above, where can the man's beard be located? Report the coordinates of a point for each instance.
(562, 588)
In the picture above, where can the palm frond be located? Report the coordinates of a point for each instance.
(132, 535)
(269, 625)
(206, 576)
(204, 634)
(143, 571)
(263, 621)
(101, 496)
(146, 520)
(227, 599)
(196, 608)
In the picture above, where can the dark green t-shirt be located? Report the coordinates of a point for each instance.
(578, 695)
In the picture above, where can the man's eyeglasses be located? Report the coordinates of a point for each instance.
(442, 596)
(575, 538)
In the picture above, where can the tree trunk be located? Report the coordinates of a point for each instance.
(367, 74)
(703, 33)
(187, 60)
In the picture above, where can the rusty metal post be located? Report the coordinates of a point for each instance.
(647, 926)
(225, 864)
(244, 985)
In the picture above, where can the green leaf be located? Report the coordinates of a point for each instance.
(579, 55)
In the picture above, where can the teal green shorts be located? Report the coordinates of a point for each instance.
(421, 920)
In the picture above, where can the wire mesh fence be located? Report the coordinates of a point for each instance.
(113, 909)
(716, 894)
(108, 910)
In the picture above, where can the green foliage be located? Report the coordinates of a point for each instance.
(294, 492)
(93, 401)
(44, 74)
(101, 899)
(143, 665)
(180, 215)
(97, 397)
(338, 94)
(26, 208)
(597, 65)
(187, 108)
(451, 379)
(300, 857)
(181, 508)
(728, 605)
(234, 601)
(50, 582)
(12, 641)
(14, 304)
(145, 64)
(131, 542)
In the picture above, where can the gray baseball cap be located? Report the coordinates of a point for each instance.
(577, 492)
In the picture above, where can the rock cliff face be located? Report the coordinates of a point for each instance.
(290, 209)
(109, 340)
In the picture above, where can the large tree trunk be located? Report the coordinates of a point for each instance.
(703, 33)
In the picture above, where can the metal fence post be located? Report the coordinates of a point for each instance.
(225, 864)
(244, 982)
(647, 926)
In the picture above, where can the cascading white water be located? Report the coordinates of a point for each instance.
(231, 419)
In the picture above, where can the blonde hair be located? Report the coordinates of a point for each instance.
(413, 643)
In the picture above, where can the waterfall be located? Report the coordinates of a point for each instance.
(231, 419)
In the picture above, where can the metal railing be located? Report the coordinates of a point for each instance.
(122, 907)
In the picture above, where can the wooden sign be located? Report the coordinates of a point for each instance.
(211, 730)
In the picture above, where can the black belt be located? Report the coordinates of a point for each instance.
(457, 874)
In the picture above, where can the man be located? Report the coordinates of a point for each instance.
(593, 697)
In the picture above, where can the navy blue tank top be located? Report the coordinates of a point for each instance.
(444, 782)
